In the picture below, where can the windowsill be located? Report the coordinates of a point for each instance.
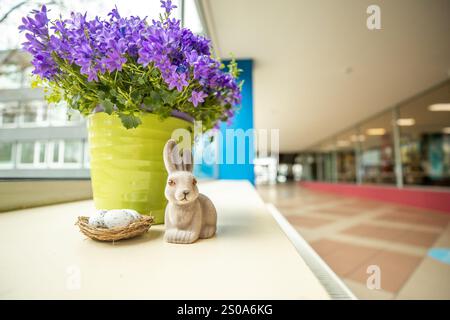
(249, 258)
(27, 193)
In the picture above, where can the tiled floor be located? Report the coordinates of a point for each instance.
(360, 239)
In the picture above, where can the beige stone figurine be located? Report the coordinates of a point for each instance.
(190, 215)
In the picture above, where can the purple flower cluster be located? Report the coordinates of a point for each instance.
(38, 43)
(98, 47)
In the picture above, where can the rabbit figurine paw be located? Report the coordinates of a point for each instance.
(189, 215)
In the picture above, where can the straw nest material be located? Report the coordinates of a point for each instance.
(134, 229)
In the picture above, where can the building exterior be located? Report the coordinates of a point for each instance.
(37, 140)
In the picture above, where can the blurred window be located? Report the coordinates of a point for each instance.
(32, 154)
(57, 114)
(55, 155)
(346, 146)
(86, 160)
(34, 113)
(9, 114)
(283, 171)
(66, 153)
(297, 171)
(26, 153)
(307, 161)
(326, 161)
(192, 18)
(425, 138)
(366, 154)
(6, 153)
(377, 147)
(74, 117)
(11, 76)
(41, 148)
(30, 116)
(73, 152)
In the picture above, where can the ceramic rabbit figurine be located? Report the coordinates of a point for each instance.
(190, 215)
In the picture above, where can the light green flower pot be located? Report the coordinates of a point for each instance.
(127, 168)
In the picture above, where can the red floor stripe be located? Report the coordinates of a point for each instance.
(423, 198)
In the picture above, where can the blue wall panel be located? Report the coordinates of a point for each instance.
(243, 119)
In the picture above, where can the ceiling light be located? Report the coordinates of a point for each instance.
(358, 138)
(343, 143)
(446, 130)
(376, 131)
(406, 122)
(439, 107)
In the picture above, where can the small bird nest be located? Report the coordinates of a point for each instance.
(134, 229)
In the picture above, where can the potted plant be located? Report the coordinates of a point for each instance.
(136, 81)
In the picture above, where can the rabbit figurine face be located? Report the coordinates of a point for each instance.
(190, 215)
(181, 188)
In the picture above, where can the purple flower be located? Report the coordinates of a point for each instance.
(115, 59)
(201, 68)
(167, 69)
(191, 57)
(38, 44)
(172, 56)
(90, 71)
(197, 97)
(167, 5)
(177, 80)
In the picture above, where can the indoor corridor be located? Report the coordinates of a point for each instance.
(351, 234)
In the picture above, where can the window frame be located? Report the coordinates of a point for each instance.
(61, 164)
(14, 124)
(36, 164)
(41, 112)
(11, 163)
(73, 165)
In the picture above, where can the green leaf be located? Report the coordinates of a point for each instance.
(73, 101)
(36, 82)
(154, 100)
(101, 94)
(165, 111)
(129, 121)
(154, 73)
(136, 96)
(148, 101)
(169, 97)
(108, 106)
(76, 98)
(53, 97)
(141, 81)
(121, 100)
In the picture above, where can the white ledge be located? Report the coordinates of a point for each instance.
(44, 256)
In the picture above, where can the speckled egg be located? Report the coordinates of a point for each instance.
(118, 218)
(133, 213)
(97, 219)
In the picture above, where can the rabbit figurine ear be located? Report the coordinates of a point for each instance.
(188, 163)
(172, 159)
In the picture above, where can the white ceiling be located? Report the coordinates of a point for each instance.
(303, 51)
